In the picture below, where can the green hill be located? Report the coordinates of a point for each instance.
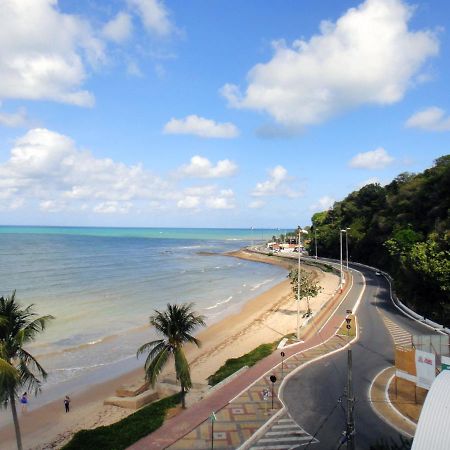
(402, 227)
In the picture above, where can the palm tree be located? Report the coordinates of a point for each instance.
(176, 324)
(20, 370)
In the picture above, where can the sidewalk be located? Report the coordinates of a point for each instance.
(384, 408)
(239, 405)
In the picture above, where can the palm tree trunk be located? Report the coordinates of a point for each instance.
(12, 401)
(183, 393)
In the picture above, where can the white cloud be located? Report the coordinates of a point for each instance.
(46, 171)
(201, 167)
(325, 202)
(44, 53)
(154, 16)
(189, 202)
(17, 119)
(199, 126)
(219, 203)
(368, 56)
(277, 184)
(430, 119)
(210, 197)
(375, 159)
(8, 202)
(48, 168)
(52, 206)
(118, 29)
(113, 207)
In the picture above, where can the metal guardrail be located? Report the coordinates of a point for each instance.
(403, 307)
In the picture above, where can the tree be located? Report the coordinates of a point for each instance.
(308, 286)
(18, 326)
(176, 324)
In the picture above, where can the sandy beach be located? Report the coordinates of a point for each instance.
(263, 319)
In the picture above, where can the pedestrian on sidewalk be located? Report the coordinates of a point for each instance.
(67, 403)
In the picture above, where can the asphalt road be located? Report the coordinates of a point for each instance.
(313, 395)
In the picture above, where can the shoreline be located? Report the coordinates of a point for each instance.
(263, 318)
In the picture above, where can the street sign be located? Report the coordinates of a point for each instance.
(349, 311)
(273, 378)
(213, 417)
(348, 327)
(282, 354)
(348, 319)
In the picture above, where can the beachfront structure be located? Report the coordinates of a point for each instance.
(286, 248)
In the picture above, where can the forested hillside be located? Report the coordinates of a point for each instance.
(402, 227)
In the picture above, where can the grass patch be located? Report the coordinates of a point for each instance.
(234, 364)
(127, 431)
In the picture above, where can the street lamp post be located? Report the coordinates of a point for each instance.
(341, 282)
(346, 252)
(346, 245)
(315, 239)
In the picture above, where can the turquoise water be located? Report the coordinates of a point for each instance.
(101, 284)
(247, 234)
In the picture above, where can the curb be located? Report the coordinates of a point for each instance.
(246, 445)
(388, 402)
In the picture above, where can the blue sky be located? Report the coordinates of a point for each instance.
(214, 114)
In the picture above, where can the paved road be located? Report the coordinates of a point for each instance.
(312, 396)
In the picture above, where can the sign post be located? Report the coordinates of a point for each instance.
(273, 378)
(213, 418)
(348, 326)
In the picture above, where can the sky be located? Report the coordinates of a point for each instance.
(222, 113)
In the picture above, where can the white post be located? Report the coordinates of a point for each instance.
(346, 245)
(298, 283)
(342, 279)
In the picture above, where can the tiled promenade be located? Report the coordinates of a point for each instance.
(238, 420)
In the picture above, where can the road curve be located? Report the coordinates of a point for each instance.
(313, 395)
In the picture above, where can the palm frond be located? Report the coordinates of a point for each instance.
(7, 371)
(36, 326)
(148, 346)
(31, 362)
(28, 379)
(154, 366)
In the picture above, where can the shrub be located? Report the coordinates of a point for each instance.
(127, 431)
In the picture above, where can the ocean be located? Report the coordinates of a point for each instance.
(101, 284)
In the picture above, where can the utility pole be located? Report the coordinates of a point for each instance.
(350, 429)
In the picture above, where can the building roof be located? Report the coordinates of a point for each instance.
(433, 429)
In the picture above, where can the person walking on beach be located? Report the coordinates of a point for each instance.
(67, 403)
(24, 402)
